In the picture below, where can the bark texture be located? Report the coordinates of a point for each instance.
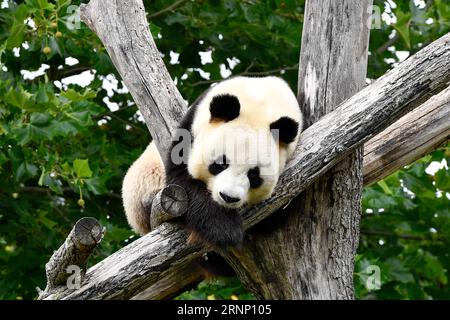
(310, 253)
(169, 203)
(413, 136)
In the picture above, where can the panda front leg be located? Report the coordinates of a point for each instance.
(208, 221)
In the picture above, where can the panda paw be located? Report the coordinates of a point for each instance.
(222, 232)
(225, 236)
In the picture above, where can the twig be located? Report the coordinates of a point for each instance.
(249, 74)
(172, 7)
(401, 236)
(388, 43)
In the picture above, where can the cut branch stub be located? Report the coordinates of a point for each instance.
(87, 233)
(169, 203)
(75, 251)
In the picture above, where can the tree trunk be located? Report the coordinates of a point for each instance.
(310, 254)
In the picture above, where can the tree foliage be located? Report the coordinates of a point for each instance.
(66, 140)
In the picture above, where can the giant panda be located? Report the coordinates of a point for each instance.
(239, 135)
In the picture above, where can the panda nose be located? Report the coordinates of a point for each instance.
(228, 199)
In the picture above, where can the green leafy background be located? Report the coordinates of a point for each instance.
(65, 143)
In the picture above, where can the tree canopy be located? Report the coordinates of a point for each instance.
(69, 129)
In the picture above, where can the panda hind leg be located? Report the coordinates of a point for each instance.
(142, 182)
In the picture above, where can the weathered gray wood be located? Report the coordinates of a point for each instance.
(173, 284)
(75, 251)
(431, 120)
(413, 136)
(408, 139)
(163, 252)
(310, 255)
(148, 261)
(123, 29)
(169, 203)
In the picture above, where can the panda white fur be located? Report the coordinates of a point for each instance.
(234, 158)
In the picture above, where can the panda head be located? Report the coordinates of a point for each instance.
(240, 161)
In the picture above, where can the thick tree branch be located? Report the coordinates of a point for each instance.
(123, 29)
(164, 252)
(413, 136)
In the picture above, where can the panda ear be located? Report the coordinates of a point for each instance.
(287, 129)
(224, 107)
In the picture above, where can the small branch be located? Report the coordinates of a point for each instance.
(65, 190)
(172, 7)
(68, 71)
(81, 241)
(388, 43)
(108, 113)
(114, 116)
(55, 74)
(249, 74)
(401, 236)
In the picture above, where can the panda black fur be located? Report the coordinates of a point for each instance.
(218, 186)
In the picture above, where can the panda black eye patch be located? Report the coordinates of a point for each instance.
(254, 178)
(219, 165)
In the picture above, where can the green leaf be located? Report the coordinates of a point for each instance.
(77, 96)
(20, 98)
(81, 167)
(50, 224)
(41, 95)
(41, 178)
(402, 26)
(63, 128)
(66, 167)
(16, 35)
(17, 31)
(32, 133)
(26, 169)
(44, 4)
(385, 187)
(53, 44)
(419, 186)
(39, 118)
(54, 184)
(398, 271)
(96, 186)
(442, 178)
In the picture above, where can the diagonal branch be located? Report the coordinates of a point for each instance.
(163, 252)
(123, 29)
(410, 138)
